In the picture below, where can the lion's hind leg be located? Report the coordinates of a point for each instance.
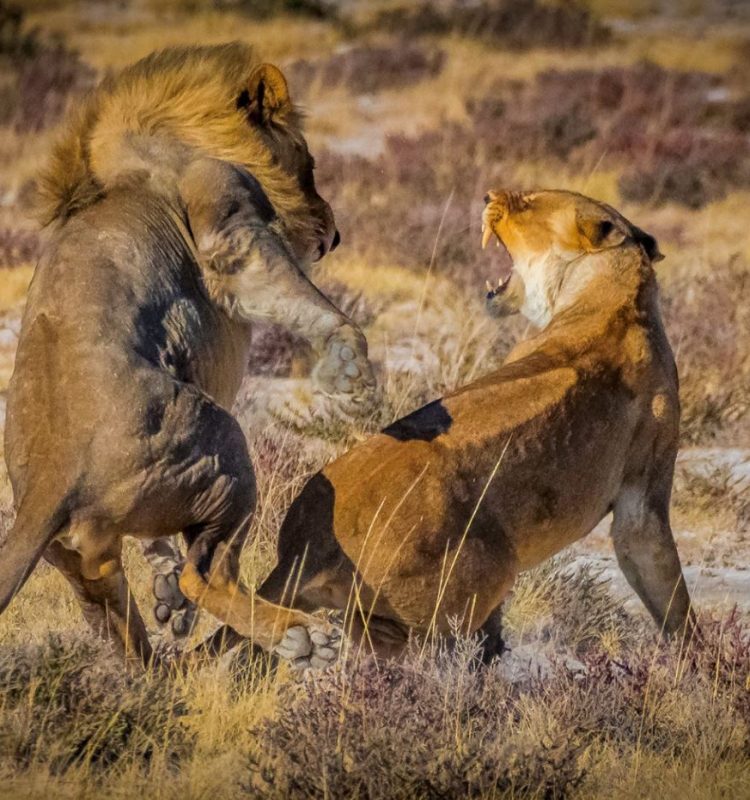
(108, 606)
(171, 607)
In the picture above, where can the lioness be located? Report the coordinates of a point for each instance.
(434, 518)
(183, 206)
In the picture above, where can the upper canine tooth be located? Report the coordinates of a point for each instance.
(490, 287)
(486, 234)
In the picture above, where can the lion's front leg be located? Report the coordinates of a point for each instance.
(251, 272)
(270, 287)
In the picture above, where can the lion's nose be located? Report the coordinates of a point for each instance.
(487, 199)
(336, 240)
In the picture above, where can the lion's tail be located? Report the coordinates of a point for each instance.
(36, 525)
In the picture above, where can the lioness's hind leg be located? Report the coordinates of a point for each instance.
(292, 634)
(384, 638)
(647, 555)
(107, 604)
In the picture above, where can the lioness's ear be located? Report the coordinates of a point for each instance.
(649, 244)
(598, 232)
(267, 94)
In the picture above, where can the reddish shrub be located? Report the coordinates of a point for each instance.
(512, 23)
(707, 317)
(18, 247)
(44, 74)
(369, 69)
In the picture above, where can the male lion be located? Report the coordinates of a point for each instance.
(434, 518)
(183, 207)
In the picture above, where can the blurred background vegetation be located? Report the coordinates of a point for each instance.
(414, 110)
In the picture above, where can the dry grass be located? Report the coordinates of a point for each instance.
(603, 710)
(408, 138)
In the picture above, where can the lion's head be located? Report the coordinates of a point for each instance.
(156, 114)
(547, 235)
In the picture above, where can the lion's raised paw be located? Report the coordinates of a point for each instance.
(344, 370)
(315, 649)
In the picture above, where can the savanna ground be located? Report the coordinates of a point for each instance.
(414, 111)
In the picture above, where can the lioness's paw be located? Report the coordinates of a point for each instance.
(305, 649)
(172, 605)
(345, 371)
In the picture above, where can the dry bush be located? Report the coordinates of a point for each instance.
(570, 604)
(429, 728)
(413, 204)
(272, 350)
(437, 726)
(510, 23)
(369, 68)
(641, 694)
(19, 247)
(69, 702)
(262, 9)
(677, 135)
(40, 75)
(707, 317)
(715, 494)
(256, 9)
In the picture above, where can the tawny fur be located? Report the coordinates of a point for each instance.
(431, 520)
(188, 95)
(182, 207)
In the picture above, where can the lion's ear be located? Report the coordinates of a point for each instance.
(648, 243)
(267, 94)
(598, 232)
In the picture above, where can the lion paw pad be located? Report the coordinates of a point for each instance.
(172, 605)
(315, 649)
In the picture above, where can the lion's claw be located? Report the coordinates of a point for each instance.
(319, 638)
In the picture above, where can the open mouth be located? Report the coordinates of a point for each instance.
(505, 268)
